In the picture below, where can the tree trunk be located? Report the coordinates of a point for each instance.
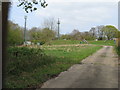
(108, 37)
(5, 7)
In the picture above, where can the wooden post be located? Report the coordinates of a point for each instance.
(118, 42)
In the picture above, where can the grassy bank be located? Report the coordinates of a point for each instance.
(61, 42)
(65, 42)
(30, 67)
(102, 42)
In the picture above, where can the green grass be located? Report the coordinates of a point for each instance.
(102, 42)
(74, 53)
(65, 42)
(60, 42)
(32, 67)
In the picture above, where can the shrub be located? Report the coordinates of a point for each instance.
(118, 50)
(38, 41)
(22, 59)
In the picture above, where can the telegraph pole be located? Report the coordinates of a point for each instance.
(25, 30)
(58, 28)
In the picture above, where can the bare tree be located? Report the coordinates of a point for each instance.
(75, 31)
(100, 32)
(30, 5)
(93, 31)
(50, 23)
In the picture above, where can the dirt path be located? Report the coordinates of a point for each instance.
(97, 71)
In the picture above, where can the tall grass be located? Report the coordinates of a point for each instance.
(24, 60)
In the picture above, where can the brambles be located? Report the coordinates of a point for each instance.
(25, 59)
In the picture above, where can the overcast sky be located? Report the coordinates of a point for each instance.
(73, 14)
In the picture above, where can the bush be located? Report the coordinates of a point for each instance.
(42, 42)
(22, 59)
(118, 50)
(38, 41)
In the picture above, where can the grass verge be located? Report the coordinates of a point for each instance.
(102, 42)
(65, 42)
(30, 67)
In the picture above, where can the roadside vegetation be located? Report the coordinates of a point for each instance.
(103, 42)
(30, 67)
(118, 50)
(118, 45)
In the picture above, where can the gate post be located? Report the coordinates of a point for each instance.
(118, 42)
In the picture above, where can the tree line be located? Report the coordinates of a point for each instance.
(101, 32)
(46, 33)
(49, 32)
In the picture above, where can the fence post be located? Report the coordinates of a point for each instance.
(118, 42)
